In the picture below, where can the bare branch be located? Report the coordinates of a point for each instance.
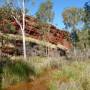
(18, 22)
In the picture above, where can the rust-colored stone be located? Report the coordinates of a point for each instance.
(33, 29)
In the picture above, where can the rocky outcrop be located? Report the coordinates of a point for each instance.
(46, 32)
(40, 31)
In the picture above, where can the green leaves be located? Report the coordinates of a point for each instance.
(45, 12)
(71, 17)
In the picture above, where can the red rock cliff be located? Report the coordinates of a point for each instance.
(43, 32)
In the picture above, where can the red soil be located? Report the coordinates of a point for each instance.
(40, 83)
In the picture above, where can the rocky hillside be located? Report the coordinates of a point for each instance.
(39, 31)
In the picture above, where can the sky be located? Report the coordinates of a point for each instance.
(58, 6)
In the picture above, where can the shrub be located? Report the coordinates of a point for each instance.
(15, 72)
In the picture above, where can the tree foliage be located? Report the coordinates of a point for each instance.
(45, 12)
(87, 21)
(71, 17)
(87, 13)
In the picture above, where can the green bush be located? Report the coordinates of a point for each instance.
(10, 27)
(15, 72)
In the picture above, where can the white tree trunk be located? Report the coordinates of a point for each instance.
(23, 30)
(22, 27)
(24, 44)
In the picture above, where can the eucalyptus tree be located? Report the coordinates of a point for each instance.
(71, 18)
(87, 20)
(45, 15)
(16, 5)
(84, 35)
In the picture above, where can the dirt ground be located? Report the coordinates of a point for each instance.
(41, 83)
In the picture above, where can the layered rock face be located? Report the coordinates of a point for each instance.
(40, 31)
(46, 32)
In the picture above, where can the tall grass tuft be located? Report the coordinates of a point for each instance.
(15, 72)
(73, 76)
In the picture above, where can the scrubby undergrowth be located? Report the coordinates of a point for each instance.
(72, 76)
(64, 74)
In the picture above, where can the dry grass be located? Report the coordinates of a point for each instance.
(73, 76)
(65, 75)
